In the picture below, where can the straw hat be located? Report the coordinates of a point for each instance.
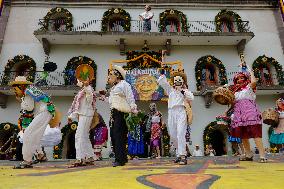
(20, 80)
(120, 70)
(84, 72)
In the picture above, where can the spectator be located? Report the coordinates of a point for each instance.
(210, 151)
(197, 151)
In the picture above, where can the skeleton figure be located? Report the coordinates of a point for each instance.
(177, 116)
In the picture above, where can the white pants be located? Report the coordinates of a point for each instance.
(33, 134)
(177, 124)
(83, 144)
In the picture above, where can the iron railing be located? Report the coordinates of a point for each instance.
(137, 26)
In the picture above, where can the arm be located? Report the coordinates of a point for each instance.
(129, 96)
(165, 84)
(89, 93)
(27, 103)
(253, 79)
(188, 95)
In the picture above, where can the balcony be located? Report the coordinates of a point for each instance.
(55, 83)
(198, 33)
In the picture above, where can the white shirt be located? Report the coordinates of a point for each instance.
(123, 89)
(86, 105)
(176, 98)
(197, 153)
(246, 93)
(156, 119)
(147, 15)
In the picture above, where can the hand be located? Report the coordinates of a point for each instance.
(102, 98)
(102, 92)
(134, 111)
(69, 120)
(182, 92)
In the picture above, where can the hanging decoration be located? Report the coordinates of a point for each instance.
(231, 16)
(164, 16)
(58, 12)
(264, 60)
(73, 63)
(118, 13)
(69, 128)
(150, 60)
(20, 59)
(201, 64)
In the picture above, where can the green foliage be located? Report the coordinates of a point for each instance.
(164, 16)
(118, 13)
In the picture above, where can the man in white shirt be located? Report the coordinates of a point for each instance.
(197, 151)
(177, 116)
(146, 17)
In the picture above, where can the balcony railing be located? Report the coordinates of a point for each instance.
(137, 26)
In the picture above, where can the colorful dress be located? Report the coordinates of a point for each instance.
(247, 118)
(156, 130)
(277, 135)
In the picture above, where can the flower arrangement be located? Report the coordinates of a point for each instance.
(139, 63)
(230, 15)
(264, 60)
(8, 127)
(172, 13)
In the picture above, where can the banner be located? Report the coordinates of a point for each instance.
(144, 83)
(1, 6)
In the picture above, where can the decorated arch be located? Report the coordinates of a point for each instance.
(72, 64)
(69, 129)
(59, 16)
(8, 133)
(20, 65)
(229, 18)
(212, 135)
(116, 18)
(174, 19)
(202, 63)
(266, 62)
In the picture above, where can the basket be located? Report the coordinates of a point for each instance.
(224, 96)
(270, 117)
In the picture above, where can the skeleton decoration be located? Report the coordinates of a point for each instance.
(178, 78)
(178, 81)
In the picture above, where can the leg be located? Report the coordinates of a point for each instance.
(119, 137)
(259, 145)
(247, 147)
(83, 144)
(181, 132)
(33, 134)
(172, 128)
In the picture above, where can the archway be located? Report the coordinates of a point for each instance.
(116, 19)
(172, 21)
(57, 19)
(265, 68)
(210, 71)
(72, 64)
(20, 65)
(216, 135)
(228, 21)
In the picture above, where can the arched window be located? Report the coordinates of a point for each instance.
(116, 19)
(73, 63)
(209, 71)
(58, 19)
(173, 21)
(20, 65)
(228, 21)
(268, 71)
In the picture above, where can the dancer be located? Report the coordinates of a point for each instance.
(33, 99)
(277, 135)
(177, 115)
(83, 109)
(121, 101)
(156, 132)
(98, 135)
(247, 117)
(146, 18)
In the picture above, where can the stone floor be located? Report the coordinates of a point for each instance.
(204, 172)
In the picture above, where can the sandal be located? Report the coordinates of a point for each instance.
(76, 163)
(23, 165)
(263, 160)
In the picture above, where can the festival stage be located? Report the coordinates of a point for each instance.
(201, 172)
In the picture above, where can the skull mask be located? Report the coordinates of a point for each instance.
(178, 81)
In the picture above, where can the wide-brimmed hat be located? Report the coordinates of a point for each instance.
(84, 72)
(120, 70)
(241, 74)
(20, 80)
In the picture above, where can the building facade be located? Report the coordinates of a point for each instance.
(208, 38)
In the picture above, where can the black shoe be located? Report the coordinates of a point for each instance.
(177, 160)
(115, 164)
(183, 161)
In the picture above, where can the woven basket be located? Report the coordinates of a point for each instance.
(223, 96)
(270, 117)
